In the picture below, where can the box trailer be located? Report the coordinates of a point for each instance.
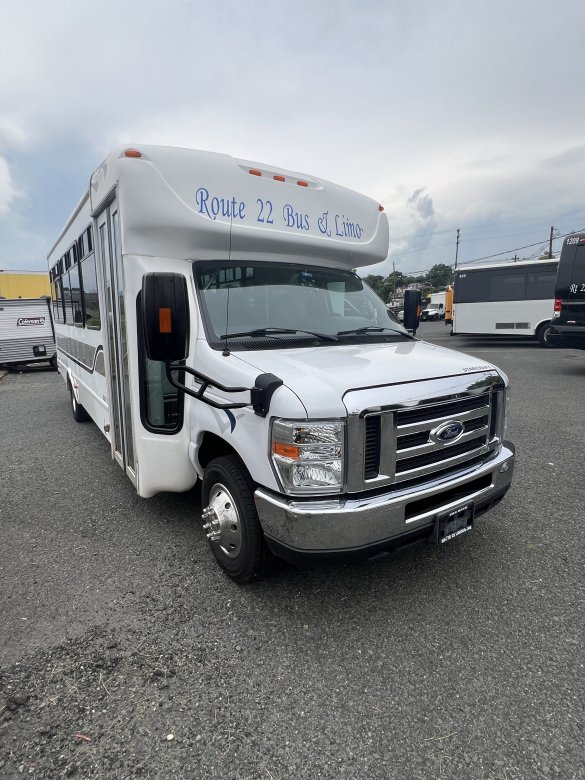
(26, 332)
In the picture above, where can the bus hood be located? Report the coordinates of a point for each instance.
(321, 377)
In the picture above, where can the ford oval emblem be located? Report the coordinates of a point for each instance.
(448, 432)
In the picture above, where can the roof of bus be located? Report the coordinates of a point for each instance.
(517, 264)
(202, 205)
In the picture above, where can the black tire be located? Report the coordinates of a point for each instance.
(541, 335)
(79, 413)
(53, 362)
(248, 557)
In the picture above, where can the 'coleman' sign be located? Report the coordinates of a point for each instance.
(30, 321)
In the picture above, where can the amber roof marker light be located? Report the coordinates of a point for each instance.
(255, 172)
(380, 208)
(303, 183)
(278, 177)
(132, 153)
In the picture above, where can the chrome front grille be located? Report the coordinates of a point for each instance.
(400, 445)
(417, 454)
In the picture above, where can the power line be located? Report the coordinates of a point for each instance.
(471, 237)
(518, 248)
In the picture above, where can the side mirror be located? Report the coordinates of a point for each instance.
(412, 300)
(165, 316)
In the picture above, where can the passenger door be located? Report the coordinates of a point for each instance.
(109, 245)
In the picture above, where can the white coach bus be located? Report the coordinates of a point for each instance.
(210, 322)
(505, 299)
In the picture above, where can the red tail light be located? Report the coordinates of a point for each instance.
(558, 305)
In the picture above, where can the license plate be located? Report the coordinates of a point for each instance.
(456, 522)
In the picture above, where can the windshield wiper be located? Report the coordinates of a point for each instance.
(371, 329)
(259, 332)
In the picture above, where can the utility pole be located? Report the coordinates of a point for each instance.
(550, 242)
(457, 247)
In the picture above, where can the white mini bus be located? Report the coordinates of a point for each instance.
(209, 320)
(505, 299)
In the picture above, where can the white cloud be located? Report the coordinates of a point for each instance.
(7, 191)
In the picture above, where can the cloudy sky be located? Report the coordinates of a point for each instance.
(463, 113)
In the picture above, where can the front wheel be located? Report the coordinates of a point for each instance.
(542, 335)
(232, 525)
(79, 413)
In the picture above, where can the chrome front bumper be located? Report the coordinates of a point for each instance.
(326, 526)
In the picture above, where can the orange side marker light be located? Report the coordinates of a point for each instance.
(164, 320)
(286, 450)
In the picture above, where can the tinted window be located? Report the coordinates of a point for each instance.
(67, 298)
(90, 293)
(76, 306)
(508, 286)
(541, 284)
(57, 296)
(499, 284)
(471, 286)
(578, 276)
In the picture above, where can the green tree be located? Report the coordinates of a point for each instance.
(376, 283)
(440, 275)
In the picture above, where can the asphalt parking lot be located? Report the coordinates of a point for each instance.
(126, 653)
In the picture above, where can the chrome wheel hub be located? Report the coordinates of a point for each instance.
(223, 525)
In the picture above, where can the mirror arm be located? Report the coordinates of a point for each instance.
(260, 395)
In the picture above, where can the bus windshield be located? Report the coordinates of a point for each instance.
(275, 300)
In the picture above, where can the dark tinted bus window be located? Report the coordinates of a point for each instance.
(507, 286)
(471, 286)
(90, 293)
(76, 306)
(67, 299)
(541, 285)
(501, 284)
(57, 296)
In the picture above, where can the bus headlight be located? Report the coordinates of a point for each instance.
(308, 456)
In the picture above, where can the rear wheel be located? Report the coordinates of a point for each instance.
(542, 335)
(79, 413)
(232, 525)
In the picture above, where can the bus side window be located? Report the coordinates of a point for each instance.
(91, 302)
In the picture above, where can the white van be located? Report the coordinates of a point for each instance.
(210, 322)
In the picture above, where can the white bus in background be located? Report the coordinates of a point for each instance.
(505, 299)
(210, 322)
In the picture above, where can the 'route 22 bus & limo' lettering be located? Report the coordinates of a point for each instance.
(214, 207)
